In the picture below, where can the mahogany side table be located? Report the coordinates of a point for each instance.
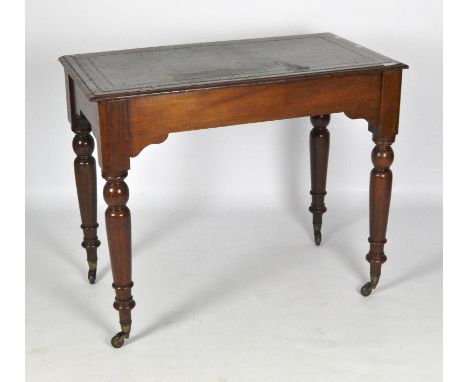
(130, 99)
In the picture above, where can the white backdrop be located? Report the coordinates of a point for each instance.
(228, 283)
(246, 163)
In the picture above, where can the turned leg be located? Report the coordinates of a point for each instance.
(319, 145)
(379, 203)
(85, 176)
(118, 227)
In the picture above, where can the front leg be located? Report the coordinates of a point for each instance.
(379, 203)
(118, 225)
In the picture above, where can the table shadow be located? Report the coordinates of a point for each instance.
(235, 279)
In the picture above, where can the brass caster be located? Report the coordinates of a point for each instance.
(317, 234)
(92, 273)
(367, 288)
(318, 237)
(118, 340)
(92, 276)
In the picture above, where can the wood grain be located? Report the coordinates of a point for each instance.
(131, 99)
(151, 118)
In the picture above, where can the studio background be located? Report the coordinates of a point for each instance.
(228, 283)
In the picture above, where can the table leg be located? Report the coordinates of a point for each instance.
(379, 203)
(118, 225)
(319, 145)
(85, 176)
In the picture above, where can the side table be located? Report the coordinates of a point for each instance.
(130, 99)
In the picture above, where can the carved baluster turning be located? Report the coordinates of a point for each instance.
(85, 176)
(118, 224)
(379, 204)
(319, 145)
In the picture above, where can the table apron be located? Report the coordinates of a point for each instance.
(152, 118)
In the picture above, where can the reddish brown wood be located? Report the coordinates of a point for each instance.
(380, 188)
(85, 176)
(319, 145)
(115, 163)
(114, 134)
(118, 225)
(389, 115)
(379, 203)
(135, 98)
(152, 118)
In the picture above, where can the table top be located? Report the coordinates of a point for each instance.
(115, 74)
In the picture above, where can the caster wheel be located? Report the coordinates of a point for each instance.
(366, 290)
(92, 276)
(118, 340)
(318, 237)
